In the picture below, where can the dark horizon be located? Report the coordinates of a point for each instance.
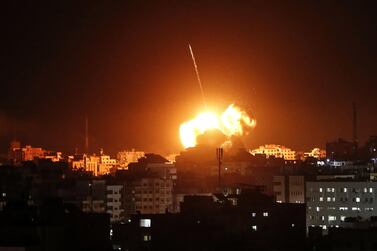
(298, 67)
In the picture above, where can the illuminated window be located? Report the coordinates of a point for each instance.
(147, 237)
(365, 190)
(265, 214)
(371, 190)
(355, 209)
(328, 199)
(357, 199)
(344, 190)
(342, 218)
(332, 218)
(254, 214)
(343, 208)
(145, 222)
(254, 227)
(320, 198)
(320, 190)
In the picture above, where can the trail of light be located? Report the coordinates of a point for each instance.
(198, 77)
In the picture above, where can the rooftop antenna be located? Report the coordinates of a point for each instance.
(354, 124)
(86, 136)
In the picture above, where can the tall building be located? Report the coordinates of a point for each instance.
(277, 151)
(114, 202)
(329, 203)
(289, 188)
(95, 201)
(148, 185)
(150, 195)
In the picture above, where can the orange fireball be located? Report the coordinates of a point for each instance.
(232, 122)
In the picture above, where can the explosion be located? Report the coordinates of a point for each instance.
(232, 122)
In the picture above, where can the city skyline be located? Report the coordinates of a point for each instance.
(188, 125)
(297, 68)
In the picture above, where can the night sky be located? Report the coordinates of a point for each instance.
(296, 66)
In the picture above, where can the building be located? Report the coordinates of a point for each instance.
(148, 186)
(98, 165)
(95, 200)
(114, 202)
(17, 154)
(106, 164)
(14, 152)
(171, 157)
(153, 195)
(316, 153)
(329, 203)
(214, 222)
(277, 151)
(341, 150)
(53, 226)
(76, 161)
(163, 170)
(91, 164)
(289, 188)
(126, 157)
(54, 156)
(30, 153)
